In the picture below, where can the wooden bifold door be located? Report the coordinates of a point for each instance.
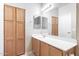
(14, 33)
(20, 31)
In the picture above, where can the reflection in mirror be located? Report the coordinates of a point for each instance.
(44, 23)
(37, 22)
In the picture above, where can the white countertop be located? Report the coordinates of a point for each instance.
(58, 42)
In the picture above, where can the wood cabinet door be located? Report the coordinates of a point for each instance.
(36, 46)
(9, 13)
(54, 51)
(55, 26)
(20, 38)
(20, 14)
(9, 36)
(44, 49)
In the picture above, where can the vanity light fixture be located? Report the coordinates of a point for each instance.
(47, 8)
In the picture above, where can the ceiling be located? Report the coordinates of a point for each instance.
(56, 5)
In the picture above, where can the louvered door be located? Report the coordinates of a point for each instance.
(20, 36)
(9, 30)
(14, 33)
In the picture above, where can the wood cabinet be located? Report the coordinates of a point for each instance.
(40, 48)
(54, 51)
(36, 46)
(44, 49)
(14, 36)
(54, 26)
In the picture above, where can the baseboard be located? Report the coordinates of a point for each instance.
(1, 54)
(30, 53)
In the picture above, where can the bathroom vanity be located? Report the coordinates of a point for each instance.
(48, 45)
